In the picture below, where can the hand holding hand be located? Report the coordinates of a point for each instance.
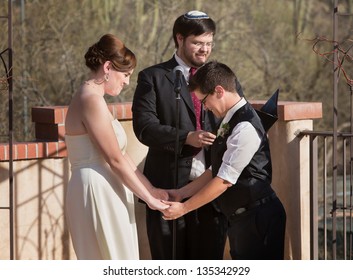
(174, 211)
(156, 204)
(160, 194)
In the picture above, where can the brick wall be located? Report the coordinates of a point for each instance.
(50, 127)
(50, 132)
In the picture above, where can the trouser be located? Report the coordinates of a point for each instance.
(258, 234)
(200, 235)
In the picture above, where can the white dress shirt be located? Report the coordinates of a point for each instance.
(198, 165)
(186, 68)
(242, 144)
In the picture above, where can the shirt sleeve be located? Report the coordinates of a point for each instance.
(242, 145)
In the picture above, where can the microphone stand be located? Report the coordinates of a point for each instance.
(177, 90)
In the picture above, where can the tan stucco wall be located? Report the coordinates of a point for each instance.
(40, 230)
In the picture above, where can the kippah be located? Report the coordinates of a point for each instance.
(196, 15)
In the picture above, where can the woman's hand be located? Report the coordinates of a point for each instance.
(160, 194)
(174, 211)
(156, 204)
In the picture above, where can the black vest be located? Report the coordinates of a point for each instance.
(255, 180)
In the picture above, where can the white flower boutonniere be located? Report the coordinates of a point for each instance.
(223, 130)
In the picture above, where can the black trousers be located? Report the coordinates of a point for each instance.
(258, 234)
(200, 235)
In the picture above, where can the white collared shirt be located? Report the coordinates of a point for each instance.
(242, 145)
(198, 165)
(186, 68)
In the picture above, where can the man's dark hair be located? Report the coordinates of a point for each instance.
(187, 26)
(210, 75)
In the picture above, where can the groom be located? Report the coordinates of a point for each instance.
(240, 174)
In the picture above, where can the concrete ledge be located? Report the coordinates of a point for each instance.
(50, 126)
(291, 111)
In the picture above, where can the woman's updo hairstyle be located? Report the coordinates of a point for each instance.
(110, 48)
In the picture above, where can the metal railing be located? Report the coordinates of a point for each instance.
(331, 197)
(9, 87)
(331, 187)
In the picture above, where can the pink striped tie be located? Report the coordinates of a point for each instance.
(196, 101)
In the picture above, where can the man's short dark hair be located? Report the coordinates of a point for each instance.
(187, 26)
(210, 75)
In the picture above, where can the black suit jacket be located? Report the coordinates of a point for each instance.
(154, 123)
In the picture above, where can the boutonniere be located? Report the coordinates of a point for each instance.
(223, 130)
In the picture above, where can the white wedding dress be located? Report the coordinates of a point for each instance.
(99, 208)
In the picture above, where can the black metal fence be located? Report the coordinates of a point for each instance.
(6, 62)
(331, 196)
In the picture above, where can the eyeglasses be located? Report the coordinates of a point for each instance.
(199, 45)
(203, 101)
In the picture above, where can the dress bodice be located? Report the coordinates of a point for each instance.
(99, 208)
(82, 151)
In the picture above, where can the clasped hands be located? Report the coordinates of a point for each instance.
(176, 208)
(171, 198)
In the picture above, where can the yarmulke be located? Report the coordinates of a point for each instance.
(196, 15)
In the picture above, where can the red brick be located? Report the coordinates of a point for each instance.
(50, 114)
(51, 149)
(128, 111)
(115, 110)
(41, 150)
(121, 111)
(62, 152)
(61, 132)
(3, 152)
(32, 150)
(60, 114)
(20, 151)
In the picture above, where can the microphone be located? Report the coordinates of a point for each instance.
(178, 72)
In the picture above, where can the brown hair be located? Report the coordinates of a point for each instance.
(110, 48)
(210, 75)
(195, 26)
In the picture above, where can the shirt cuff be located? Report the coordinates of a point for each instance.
(228, 173)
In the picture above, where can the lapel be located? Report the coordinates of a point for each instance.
(184, 93)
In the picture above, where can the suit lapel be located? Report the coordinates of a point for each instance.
(184, 93)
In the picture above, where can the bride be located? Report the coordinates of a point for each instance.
(99, 199)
